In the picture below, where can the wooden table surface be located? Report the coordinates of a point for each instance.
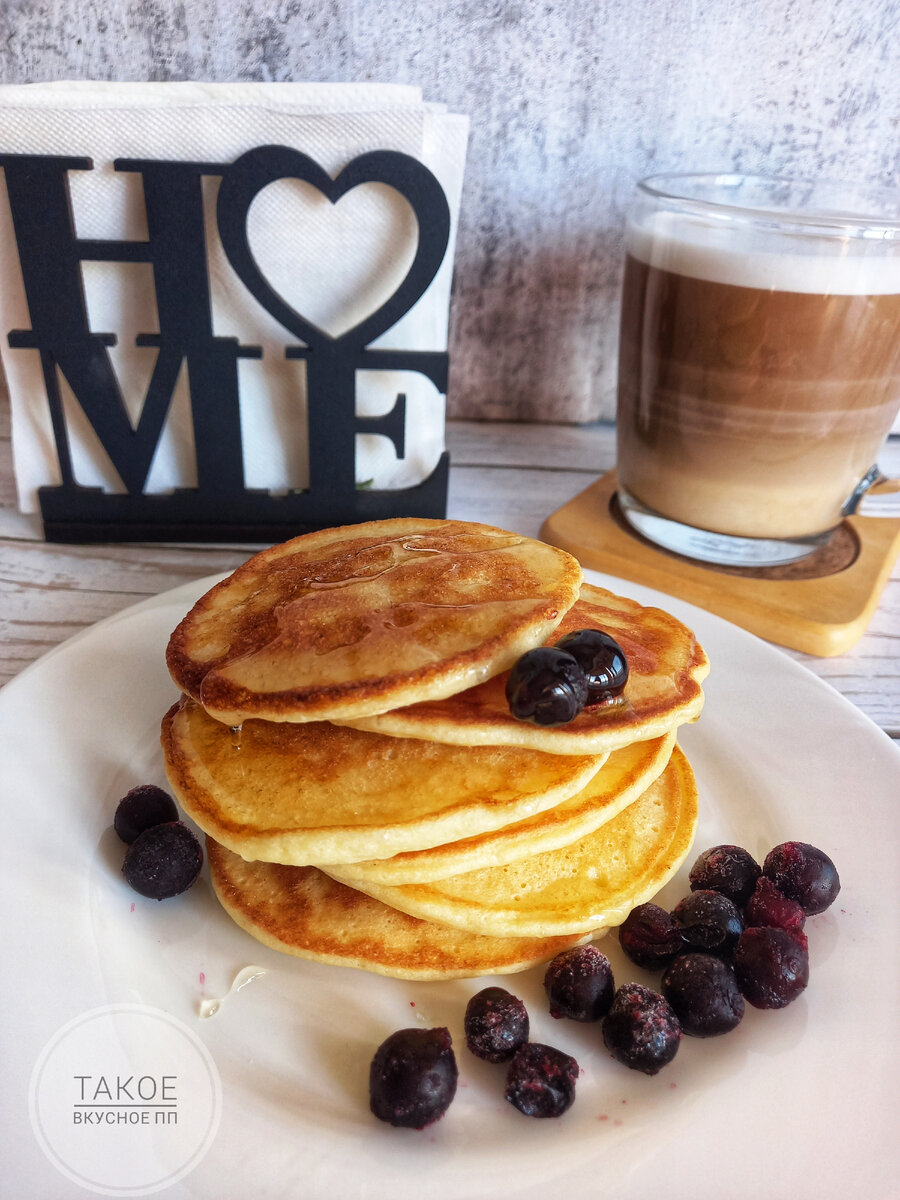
(511, 475)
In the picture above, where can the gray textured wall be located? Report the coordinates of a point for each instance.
(570, 102)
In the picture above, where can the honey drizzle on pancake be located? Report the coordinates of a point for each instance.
(345, 622)
(289, 615)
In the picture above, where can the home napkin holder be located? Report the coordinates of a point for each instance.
(220, 508)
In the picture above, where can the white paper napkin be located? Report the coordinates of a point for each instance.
(351, 257)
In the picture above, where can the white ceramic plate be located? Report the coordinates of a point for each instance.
(797, 1103)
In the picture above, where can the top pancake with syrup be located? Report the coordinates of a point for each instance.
(666, 668)
(343, 623)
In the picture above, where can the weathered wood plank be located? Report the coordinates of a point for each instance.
(590, 449)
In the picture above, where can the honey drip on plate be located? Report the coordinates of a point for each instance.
(210, 1006)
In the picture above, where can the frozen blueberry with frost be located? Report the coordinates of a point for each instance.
(704, 993)
(579, 984)
(771, 966)
(163, 861)
(769, 906)
(413, 1076)
(641, 1029)
(650, 937)
(546, 686)
(708, 921)
(803, 873)
(541, 1080)
(602, 660)
(731, 870)
(496, 1024)
(143, 807)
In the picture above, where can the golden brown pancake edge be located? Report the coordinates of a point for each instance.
(300, 911)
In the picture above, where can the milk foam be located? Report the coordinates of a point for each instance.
(698, 248)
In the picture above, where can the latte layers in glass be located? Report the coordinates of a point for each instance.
(759, 369)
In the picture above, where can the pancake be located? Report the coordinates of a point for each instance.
(592, 883)
(300, 911)
(347, 622)
(625, 775)
(319, 792)
(666, 663)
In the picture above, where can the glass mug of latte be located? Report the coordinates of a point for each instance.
(759, 362)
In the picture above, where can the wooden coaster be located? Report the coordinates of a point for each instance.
(821, 605)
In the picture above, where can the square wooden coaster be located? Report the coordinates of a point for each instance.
(821, 605)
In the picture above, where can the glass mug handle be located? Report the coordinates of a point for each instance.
(874, 496)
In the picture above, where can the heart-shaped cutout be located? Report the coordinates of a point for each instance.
(246, 179)
(335, 263)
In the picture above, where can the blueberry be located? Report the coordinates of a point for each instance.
(541, 1080)
(641, 1029)
(143, 807)
(496, 1024)
(163, 861)
(650, 937)
(601, 658)
(803, 873)
(708, 921)
(546, 686)
(413, 1077)
(769, 906)
(771, 966)
(579, 984)
(704, 993)
(730, 870)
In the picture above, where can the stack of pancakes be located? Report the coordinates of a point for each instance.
(345, 742)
